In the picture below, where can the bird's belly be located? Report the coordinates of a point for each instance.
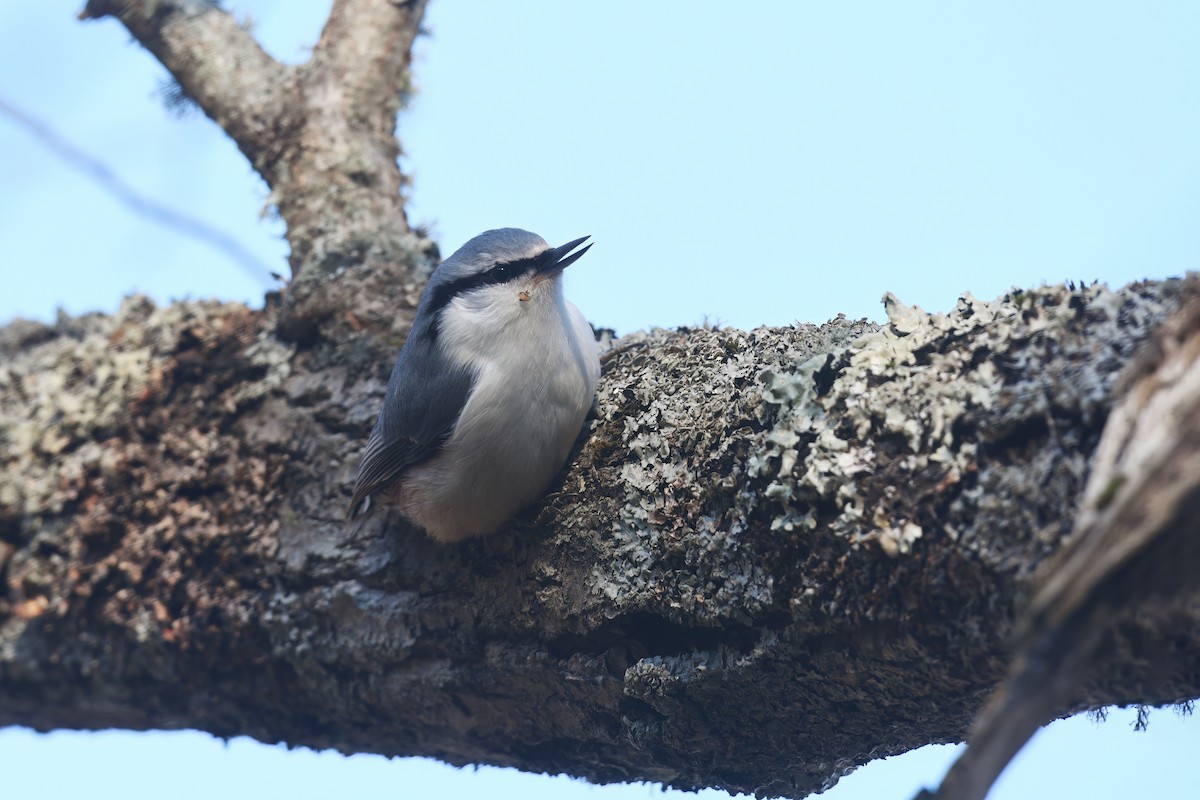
(513, 437)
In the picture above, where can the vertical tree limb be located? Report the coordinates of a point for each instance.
(321, 134)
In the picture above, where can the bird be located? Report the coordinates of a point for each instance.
(489, 393)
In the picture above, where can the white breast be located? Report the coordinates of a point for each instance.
(538, 368)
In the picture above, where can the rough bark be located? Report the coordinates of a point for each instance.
(1133, 553)
(779, 554)
(322, 134)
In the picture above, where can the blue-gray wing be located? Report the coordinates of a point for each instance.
(424, 399)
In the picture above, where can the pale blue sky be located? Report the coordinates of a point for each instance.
(753, 164)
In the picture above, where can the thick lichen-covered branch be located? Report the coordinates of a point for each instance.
(778, 554)
(1133, 552)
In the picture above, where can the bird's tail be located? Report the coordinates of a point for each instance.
(359, 512)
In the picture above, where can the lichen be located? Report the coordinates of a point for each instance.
(690, 424)
(913, 383)
(62, 398)
(805, 483)
(726, 435)
(669, 536)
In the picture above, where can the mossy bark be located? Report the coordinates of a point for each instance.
(778, 555)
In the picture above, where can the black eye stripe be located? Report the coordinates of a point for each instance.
(498, 273)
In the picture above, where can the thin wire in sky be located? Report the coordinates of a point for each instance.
(150, 209)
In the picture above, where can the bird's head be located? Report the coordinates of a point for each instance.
(499, 268)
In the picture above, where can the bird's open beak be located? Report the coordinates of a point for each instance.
(556, 260)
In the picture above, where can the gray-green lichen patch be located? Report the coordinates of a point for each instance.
(688, 424)
(727, 445)
(921, 396)
(832, 486)
(657, 676)
(125, 483)
(64, 398)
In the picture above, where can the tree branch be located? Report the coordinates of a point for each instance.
(1133, 554)
(367, 46)
(779, 555)
(216, 61)
(323, 137)
(353, 88)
